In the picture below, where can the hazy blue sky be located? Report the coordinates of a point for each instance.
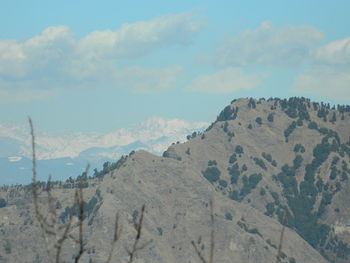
(100, 65)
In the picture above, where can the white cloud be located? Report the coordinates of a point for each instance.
(226, 81)
(139, 39)
(268, 46)
(336, 52)
(324, 81)
(329, 72)
(56, 59)
(38, 55)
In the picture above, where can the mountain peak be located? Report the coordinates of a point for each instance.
(268, 164)
(280, 155)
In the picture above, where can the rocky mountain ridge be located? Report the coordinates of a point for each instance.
(261, 161)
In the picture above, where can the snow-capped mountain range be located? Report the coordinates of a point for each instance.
(72, 150)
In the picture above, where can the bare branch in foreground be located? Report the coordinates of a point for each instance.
(212, 239)
(136, 247)
(80, 202)
(116, 237)
(52, 231)
(212, 242)
(278, 257)
(199, 254)
(56, 233)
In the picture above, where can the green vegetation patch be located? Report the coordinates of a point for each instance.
(228, 113)
(299, 148)
(258, 120)
(89, 207)
(233, 158)
(270, 117)
(249, 183)
(212, 174)
(290, 129)
(239, 149)
(245, 227)
(268, 158)
(260, 163)
(302, 199)
(212, 163)
(235, 173)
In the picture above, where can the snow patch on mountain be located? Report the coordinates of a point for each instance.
(155, 135)
(13, 159)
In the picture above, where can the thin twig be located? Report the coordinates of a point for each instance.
(212, 238)
(48, 223)
(41, 219)
(79, 194)
(63, 238)
(51, 201)
(116, 237)
(33, 148)
(278, 257)
(136, 247)
(199, 254)
(212, 242)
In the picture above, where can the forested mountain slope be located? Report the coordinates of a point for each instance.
(264, 163)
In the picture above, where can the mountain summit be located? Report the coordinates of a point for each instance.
(270, 166)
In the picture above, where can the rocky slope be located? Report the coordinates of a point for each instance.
(260, 160)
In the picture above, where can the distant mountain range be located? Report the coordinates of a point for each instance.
(65, 155)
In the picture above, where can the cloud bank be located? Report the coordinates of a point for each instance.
(334, 53)
(269, 46)
(55, 59)
(329, 73)
(288, 47)
(325, 81)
